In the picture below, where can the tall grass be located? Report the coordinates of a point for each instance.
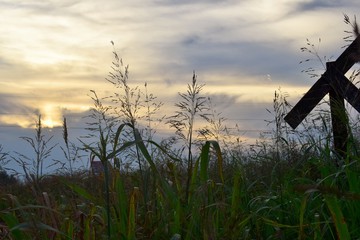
(283, 187)
(191, 105)
(315, 200)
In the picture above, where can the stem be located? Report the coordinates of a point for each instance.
(107, 192)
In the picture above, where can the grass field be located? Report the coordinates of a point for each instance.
(290, 185)
(291, 194)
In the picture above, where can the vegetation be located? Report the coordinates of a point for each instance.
(286, 186)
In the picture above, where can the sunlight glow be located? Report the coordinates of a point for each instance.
(51, 116)
(48, 123)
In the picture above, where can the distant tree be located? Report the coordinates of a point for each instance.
(3, 157)
(6, 179)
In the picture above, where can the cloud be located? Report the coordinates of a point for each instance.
(313, 5)
(54, 52)
(190, 2)
(10, 104)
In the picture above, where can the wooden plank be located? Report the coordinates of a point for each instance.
(343, 86)
(307, 103)
(340, 88)
(349, 57)
(339, 122)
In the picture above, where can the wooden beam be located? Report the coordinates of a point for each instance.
(308, 102)
(343, 86)
(349, 57)
(339, 118)
(343, 63)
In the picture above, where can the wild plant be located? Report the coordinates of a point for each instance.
(136, 107)
(33, 166)
(106, 149)
(315, 56)
(191, 105)
(216, 123)
(71, 152)
(281, 131)
(151, 118)
(232, 148)
(354, 27)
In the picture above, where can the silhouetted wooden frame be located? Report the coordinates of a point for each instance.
(339, 88)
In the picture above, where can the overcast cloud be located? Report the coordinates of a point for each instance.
(53, 52)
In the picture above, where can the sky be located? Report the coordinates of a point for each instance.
(52, 53)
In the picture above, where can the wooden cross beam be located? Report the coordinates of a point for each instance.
(349, 91)
(339, 88)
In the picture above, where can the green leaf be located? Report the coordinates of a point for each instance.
(204, 162)
(338, 217)
(81, 191)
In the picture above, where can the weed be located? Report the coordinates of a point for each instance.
(33, 167)
(190, 105)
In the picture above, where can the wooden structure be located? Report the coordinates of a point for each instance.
(97, 168)
(339, 88)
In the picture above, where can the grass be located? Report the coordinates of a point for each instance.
(311, 200)
(279, 189)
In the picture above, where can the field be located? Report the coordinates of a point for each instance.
(304, 196)
(201, 183)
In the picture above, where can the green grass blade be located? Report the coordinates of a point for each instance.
(235, 195)
(121, 205)
(338, 217)
(144, 151)
(132, 214)
(204, 162)
(205, 157)
(302, 213)
(220, 160)
(117, 135)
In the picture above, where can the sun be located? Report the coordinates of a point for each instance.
(50, 115)
(48, 123)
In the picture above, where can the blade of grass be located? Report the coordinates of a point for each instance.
(132, 214)
(204, 162)
(338, 217)
(301, 220)
(235, 196)
(121, 205)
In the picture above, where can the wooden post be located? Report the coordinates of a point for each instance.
(339, 88)
(322, 87)
(339, 117)
(339, 122)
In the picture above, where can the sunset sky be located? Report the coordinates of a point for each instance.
(52, 53)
